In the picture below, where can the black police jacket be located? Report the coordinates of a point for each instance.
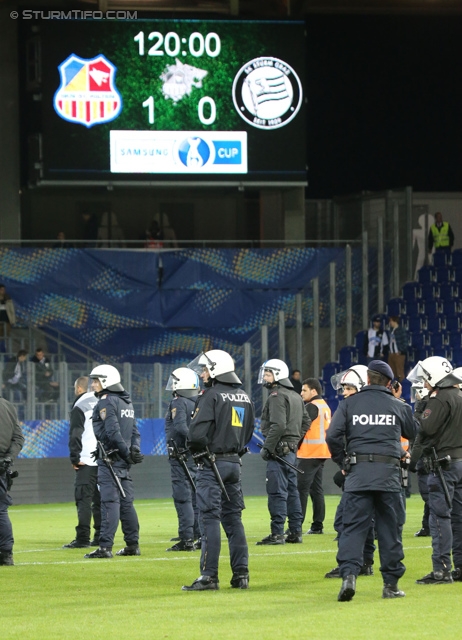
(178, 419)
(223, 420)
(371, 422)
(114, 423)
(284, 418)
(441, 423)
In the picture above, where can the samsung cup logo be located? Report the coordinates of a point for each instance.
(267, 93)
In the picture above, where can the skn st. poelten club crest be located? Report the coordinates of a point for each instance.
(87, 94)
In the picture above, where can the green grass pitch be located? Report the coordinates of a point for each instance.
(54, 593)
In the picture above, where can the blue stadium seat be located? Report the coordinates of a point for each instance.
(429, 290)
(396, 307)
(416, 323)
(455, 340)
(419, 340)
(329, 369)
(333, 404)
(433, 307)
(444, 274)
(449, 290)
(458, 274)
(441, 259)
(453, 323)
(359, 339)
(414, 308)
(437, 340)
(347, 357)
(436, 323)
(457, 258)
(411, 291)
(443, 353)
(426, 275)
(451, 307)
(457, 357)
(421, 354)
(406, 394)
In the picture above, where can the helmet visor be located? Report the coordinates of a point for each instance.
(417, 374)
(172, 382)
(349, 377)
(261, 374)
(199, 364)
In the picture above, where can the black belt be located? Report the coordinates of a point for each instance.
(374, 457)
(231, 454)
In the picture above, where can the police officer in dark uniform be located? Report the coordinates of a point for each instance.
(114, 426)
(223, 424)
(284, 422)
(371, 424)
(184, 383)
(440, 418)
(11, 441)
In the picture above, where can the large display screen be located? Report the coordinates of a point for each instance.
(173, 100)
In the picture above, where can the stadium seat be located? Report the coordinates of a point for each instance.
(328, 370)
(455, 340)
(443, 353)
(453, 323)
(396, 307)
(333, 404)
(414, 308)
(456, 258)
(458, 274)
(416, 323)
(347, 357)
(444, 274)
(427, 275)
(437, 340)
(421, 354)
(451, 307)
(433, 307)
(411, 291)
(457, 357)
(429, 290)
(436, 323)
(449, 290)
(419, 340)
(441, 259)
(406, 394)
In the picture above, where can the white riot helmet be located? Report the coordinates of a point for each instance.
(218, 363)
(437, 371)
(355, 376)
(458, 373)
(108, 376)
(280, 371)
(184, 382)
(418, 391)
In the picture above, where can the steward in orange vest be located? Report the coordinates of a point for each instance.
(313, 452)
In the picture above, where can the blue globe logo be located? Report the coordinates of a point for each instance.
(194, 152)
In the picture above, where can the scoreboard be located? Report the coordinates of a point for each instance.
(170, 100)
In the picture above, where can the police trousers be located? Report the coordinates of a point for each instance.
(359, 510)
(114, 507)
(446, 523)
(369, 545)
(283, 496)
(6, 530)
(310, 484)
(184, 499)
(215, 509)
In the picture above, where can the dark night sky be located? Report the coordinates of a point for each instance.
(385, 103)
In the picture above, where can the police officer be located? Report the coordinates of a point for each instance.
(11, 441)
(114, 426)
(371, 423)
(440, 419)
(184, 383)
(82, 443)
(284, 421)
(222, 423)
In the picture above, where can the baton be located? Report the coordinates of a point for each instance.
(108, 462)
(181, 457)
(211, 458)
(279, 459)
(437, 464)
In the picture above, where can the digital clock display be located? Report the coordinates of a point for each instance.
(159, 100)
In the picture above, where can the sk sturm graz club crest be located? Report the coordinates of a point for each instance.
(87, 94)
(267, 93)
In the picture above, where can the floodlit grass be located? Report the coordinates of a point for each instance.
(55, 593)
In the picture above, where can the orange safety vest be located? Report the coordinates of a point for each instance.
(314, 443)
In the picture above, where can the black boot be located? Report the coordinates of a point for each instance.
(203, 583)
(129, 550)
(273, 539)
(6, 558)
(294, 537)
(457, 574)
(75, 544)
(102, 552)
(366, 569)
(240, 580)
(183, 545)
(348, 589)
(333, 573)
(392, 591)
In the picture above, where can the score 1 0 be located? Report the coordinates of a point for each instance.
(172, 44)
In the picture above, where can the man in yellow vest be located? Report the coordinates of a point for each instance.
(440, 236)
(313, 452)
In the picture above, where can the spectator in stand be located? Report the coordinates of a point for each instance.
(398, 341)
(61, 242)
(47, 389)
(375, 339)
(15, 374)
(7, 313)
(296, 380)
(90, 229)
(154, 238)
(440, 236)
